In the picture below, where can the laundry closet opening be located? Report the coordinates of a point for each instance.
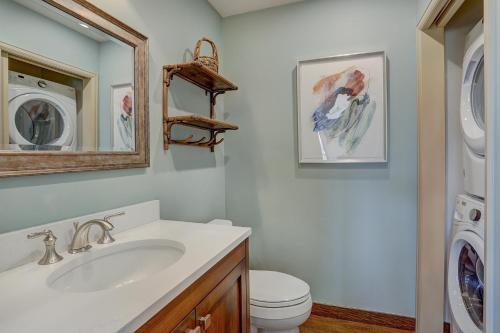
(451, 166)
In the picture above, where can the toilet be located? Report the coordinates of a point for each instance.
(279, 303)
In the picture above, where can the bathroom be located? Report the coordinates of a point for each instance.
(269, 230)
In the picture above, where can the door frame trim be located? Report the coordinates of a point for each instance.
(431, 108)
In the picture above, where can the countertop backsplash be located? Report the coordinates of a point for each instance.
(17, 250)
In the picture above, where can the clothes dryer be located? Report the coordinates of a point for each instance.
(42, 114)
(472, 117)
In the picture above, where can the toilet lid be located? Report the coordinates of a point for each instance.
(275, 289)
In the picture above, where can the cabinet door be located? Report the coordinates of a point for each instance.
(188, 325)
(224, 310)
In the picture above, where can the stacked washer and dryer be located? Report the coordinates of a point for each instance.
(466, 255)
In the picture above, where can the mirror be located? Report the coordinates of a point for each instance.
(73, 85)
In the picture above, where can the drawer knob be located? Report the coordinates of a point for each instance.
(195, 330)
(206, 321)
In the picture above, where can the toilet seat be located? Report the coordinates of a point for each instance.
(286, 312)
(275, 289)
(275, 295)
(280, 304)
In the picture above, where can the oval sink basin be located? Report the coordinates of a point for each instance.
(116, 266)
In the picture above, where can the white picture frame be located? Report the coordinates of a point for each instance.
(342, 109)
(122, 139)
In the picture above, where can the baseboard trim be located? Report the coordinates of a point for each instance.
(368, 317)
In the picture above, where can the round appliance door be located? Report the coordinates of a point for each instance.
(466, 281)
(39, 119)
(472, 104)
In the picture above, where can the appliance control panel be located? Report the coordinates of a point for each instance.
(469, 209)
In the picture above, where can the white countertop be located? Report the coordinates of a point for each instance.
(28, 304)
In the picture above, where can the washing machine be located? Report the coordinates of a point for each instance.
(472, 116)
(42, 114)
(466, 266)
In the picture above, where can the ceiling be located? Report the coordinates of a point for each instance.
(233, 7)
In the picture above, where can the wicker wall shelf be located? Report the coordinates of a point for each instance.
(202, 123)
(199, 75)
(214, 85)
(215, 127)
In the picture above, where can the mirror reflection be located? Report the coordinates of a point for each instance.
(66, 86)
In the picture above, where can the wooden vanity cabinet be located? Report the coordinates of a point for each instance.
(189, 323)
(215, 303)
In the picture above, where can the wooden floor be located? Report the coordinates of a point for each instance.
(317, 324)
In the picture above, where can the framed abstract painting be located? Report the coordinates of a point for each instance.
(342, 109)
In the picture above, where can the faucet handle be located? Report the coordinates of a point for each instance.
(50, 256)
(49, 236)
(109, 217)
(106, 237)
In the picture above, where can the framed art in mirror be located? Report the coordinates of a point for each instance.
(73, 89)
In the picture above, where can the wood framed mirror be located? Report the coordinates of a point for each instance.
(73, 89)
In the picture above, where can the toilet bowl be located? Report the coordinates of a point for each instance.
(279, 303)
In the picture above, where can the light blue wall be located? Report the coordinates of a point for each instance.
(116, 61)
(349, 230)
(421, 7)
(188, 181)
(26, 29)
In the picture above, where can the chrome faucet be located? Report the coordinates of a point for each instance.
(80, 242)
(50, 256)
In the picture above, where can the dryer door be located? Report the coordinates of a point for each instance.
(472, 100)
(39, 120)
(466, 281)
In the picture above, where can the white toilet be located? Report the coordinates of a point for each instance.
(279, 303)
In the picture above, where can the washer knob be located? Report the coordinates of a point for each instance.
(475, 215)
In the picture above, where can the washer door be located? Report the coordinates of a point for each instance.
(39, 119)
(472, 104)
(466, 281)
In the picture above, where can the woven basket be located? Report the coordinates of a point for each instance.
(211, 62)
